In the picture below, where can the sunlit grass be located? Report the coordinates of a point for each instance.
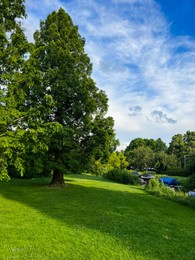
(91, 218)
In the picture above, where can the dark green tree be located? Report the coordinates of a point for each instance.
(189, 139)
(164, 161)
(156, 145)
(178, 147)
(13, 47)
(61, 95)
(189, 157)
(142, 158)
(160, 146)
(135, 143)
(146, 147)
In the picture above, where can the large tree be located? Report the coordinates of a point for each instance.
(63, 97)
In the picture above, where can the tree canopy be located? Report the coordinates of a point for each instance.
(59, 113)
(13, 47)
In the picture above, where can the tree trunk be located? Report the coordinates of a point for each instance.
(57, 179)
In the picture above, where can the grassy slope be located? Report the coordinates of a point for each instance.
(91, 219)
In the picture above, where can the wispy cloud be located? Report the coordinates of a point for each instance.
(160, 117)
(135, 111)
(145, 71)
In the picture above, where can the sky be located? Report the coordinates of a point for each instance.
(143, 56)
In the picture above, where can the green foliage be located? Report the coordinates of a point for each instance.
(177, 172)
(180, 195)
(183, 146)
(189, 161)
(156, 145)
(122, 176)
(117, 160)
(154, 186)
(50, 98)
(141, 153)
(142, 157)
(61, 88)
(189, 185)
(159, 189)
(135, 143)
(13, 47)
(164, 161)
(160, 146)
(191, 166)
(189, 139)
(9, 11)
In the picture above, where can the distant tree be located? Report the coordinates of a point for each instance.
(153, 145)
(64, 100)
(164, 161)
(142, 158)
(160, 146)
(178, 147)
(150, 143)
(189, 157)
(135, 143)
(189, 139)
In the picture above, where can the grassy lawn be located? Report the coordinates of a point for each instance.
(91, 218)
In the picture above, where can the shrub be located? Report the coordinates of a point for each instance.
(177, 172)
(152, 185)
(122, 176)
(160, 188)
(191, 166)
(190, 183)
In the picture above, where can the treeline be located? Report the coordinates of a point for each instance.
(149, 154)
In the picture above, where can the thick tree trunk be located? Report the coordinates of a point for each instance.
(57, 179)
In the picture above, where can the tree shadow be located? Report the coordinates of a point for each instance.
(119, 214)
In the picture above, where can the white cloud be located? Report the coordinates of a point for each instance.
(136, 61)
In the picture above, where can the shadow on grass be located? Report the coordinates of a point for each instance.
(140, 221)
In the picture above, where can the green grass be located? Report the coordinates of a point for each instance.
(91, 218)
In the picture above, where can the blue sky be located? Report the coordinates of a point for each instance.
(143, 55)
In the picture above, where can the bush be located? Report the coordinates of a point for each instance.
(160, 189)
(191, 166)
(177, 172)
(122, 176)
(152, 185)
(190, 183)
